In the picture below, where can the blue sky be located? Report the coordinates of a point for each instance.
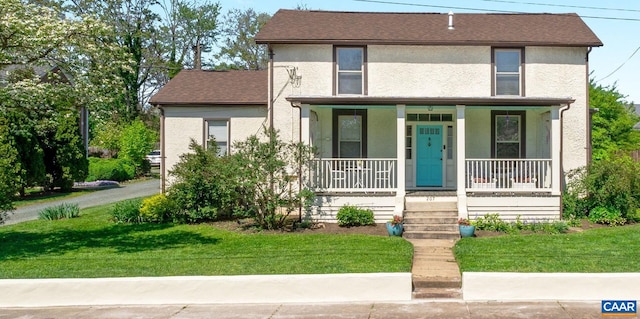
(621, 37)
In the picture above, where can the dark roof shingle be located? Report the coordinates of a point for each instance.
(543, 29)
(200, 87)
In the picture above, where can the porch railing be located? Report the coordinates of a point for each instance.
(349, 175)
(508, 174)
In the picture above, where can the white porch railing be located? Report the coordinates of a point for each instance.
(508, 174)
(354, 174)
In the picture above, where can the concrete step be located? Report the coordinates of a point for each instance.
(429, 206)
(437, 282)
(431, 234)
(437, 293)
(431, 220)
(421, 214)
(429, 227)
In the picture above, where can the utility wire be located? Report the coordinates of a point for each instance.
(621, 65)
(482, 10)
(562, 5)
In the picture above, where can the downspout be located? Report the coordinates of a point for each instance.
(589, 111)
(562, 109)
(162, 152)
(270, 106)
(299, 164)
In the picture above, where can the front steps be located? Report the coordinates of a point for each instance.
(430, 219)
(430, 224)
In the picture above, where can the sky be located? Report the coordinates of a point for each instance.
(615, 22)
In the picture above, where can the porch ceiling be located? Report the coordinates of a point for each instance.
(392, 100)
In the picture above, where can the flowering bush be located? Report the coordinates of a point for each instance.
(464, 222)
(396, 220)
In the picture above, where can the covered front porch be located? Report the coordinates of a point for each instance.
(497, 155)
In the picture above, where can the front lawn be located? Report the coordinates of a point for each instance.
(91, 246)
(607, 249)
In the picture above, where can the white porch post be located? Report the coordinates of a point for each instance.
(461, 155)
(304, 124)
(400, 149)
(556, 139)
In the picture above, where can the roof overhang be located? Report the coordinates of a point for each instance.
(206, 104)
(469, 101)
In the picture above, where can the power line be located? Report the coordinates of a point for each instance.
(483, 10)
(621, 65)
(562, 5)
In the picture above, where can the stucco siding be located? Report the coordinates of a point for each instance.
(429, 71)
(182, 124)
(563, 72)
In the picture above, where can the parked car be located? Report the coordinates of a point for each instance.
(154, 157)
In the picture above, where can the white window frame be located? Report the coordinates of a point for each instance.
(222, 149)
(497, 73)
(339, 71)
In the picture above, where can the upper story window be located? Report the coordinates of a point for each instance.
(218, 133)
(350, 70)
(508, 71)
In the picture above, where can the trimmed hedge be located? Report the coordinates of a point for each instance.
(111, 169)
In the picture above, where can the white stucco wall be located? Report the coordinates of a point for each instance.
(562, 72)
(433, 71)
(183, 123)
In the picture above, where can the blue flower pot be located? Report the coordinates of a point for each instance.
(394, 230)
(467, 231)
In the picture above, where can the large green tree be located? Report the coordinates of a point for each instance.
(612, 125)
(239, 49)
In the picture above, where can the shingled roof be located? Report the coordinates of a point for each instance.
(544, 29)
(200, 87)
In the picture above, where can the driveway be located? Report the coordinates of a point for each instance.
(97, 198)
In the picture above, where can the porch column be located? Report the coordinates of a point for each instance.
(400, 149)
(461, 155)
(304, 124)
(556, 139)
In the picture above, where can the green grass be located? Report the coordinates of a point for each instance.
(90, 246)
(609, 249)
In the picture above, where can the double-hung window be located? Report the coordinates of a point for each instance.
(350, 70)
(507, 71)
(508, 134)
(218, 133)
(349, 133)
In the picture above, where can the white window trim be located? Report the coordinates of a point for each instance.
(361, 71)
(227, 148)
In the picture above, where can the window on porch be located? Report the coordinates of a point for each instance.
(508, 134)
(349, 133)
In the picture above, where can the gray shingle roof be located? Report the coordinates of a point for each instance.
(295, 26)
(200, 87)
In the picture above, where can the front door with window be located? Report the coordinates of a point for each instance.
(429, 156)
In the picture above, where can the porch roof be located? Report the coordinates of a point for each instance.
(392, 100)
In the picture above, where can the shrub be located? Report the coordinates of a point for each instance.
(491, 222)
(607, 216)
(135, 142)
(64, 210)
(612, 182)
(127, 211)
(353, 216)
(158, 208)
(110, 169)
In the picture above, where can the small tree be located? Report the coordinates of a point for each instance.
(270, 169)
(136, 141)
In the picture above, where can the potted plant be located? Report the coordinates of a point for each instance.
(394, 226)
(466, 229)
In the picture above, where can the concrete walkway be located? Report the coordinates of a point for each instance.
(405, 310)
(436, 267)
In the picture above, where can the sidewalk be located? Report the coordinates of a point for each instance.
(408, 310)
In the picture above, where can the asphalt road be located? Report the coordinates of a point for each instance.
(97, 198)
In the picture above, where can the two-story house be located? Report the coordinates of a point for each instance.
(488, 111)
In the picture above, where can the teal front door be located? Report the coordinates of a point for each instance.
(429, 155)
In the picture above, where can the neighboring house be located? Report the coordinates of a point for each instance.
(487, 110)
(637, 108)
